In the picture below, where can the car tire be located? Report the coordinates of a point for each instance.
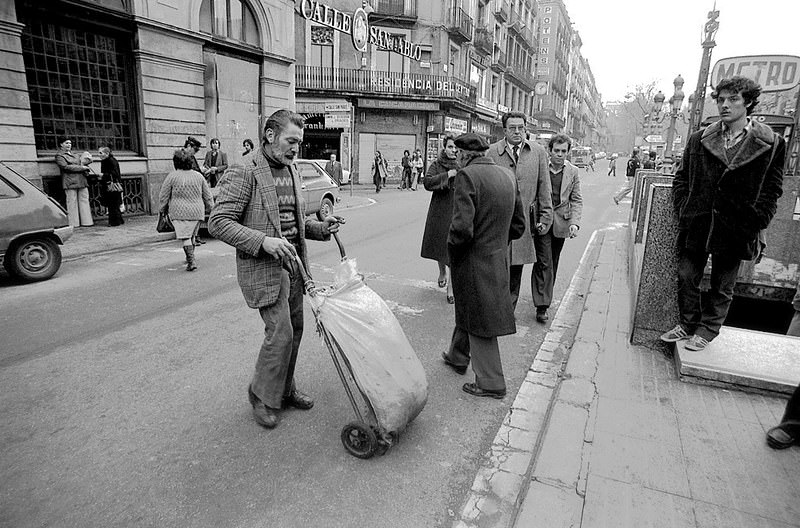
(33, 259)
(325, 208)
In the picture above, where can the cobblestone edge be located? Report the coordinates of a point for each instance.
(502, 481)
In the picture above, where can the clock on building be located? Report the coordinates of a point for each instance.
(540, 88)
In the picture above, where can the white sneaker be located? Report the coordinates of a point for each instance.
(696, 343)
(674, 335)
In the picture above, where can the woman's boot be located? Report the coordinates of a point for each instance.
(190, 265)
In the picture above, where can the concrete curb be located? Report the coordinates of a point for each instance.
(502, 481)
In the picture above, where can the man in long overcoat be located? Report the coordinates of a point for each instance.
(260, 211)
(487, 215)
(724, 193)
(528, 161)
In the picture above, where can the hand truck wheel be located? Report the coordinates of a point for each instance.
(359, 440)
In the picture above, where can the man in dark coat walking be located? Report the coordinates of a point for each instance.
(487, 216)
(724, 193)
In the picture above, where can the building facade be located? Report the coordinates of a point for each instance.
(423, 70)
(138, 76)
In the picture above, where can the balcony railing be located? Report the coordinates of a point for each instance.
(502, 8)
(500, 62)
(460, 25)
(484, 39)
(363, 82)
(396, 10)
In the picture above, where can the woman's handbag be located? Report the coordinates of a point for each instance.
(115, 187)
(164, 224)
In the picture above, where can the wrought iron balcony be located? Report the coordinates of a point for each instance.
(516, 24)
(502, 9)
(402, 12)
(499, 63)
(363, 82)
(460, 25)
(521, 74)
(484, 39)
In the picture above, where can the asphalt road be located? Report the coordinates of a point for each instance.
(123, 390)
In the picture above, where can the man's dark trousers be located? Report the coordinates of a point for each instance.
(548, 252)
(704, 319)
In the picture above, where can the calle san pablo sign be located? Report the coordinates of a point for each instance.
(357, 26)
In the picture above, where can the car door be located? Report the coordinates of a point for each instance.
(314, 182)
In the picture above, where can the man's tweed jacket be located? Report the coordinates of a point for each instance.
(246, 211)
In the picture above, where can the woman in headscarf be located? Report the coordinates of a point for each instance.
(111, 186)
(439, 180)
(186, 197)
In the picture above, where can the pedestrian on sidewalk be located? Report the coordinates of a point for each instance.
(186, 197)
(334, 168)
(439, 180)
(528, 160)
(111, 186)
(260, 212)
(724, 193)
(612, 166)
(405, 181)
(567, 208)
(787, 433)
(630, 175)
(650, 162)
(75, 184)
(487, 215)
(417, 166)
(215, 163)
(192, 146)
(378, 170)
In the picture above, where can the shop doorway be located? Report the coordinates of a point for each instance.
(231, 102)
(391, 147)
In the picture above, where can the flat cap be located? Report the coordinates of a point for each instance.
(471, 141)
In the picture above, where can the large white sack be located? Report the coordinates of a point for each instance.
(383, 363)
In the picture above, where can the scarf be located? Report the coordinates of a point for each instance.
(448, 163)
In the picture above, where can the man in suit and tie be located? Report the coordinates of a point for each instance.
(567, 208)
(260, 212)
(528, 161)
(334, 168)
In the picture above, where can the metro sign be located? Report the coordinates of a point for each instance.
(775, 73)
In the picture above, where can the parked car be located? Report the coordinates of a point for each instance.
(319, 188)
(321, 164)
(32, 226)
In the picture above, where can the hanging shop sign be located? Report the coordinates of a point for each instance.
(337, 120)
(774, 73)
(357, 26)
(455, 126)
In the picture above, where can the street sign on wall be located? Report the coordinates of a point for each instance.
(654, 138)
(774, 73)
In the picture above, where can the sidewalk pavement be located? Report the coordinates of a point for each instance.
(142, 229)
(604, 434)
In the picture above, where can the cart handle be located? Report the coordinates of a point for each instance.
(341, 246)
(308, 282)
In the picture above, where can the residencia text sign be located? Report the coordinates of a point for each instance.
(775, 73)
(357, 26)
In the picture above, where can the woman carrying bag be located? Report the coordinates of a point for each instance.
(185, 195)
(111, 187)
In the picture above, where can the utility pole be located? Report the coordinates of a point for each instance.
(699, 99)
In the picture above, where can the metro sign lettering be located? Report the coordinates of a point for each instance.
(775, 73)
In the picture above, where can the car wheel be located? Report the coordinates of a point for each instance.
(34, 259)
(325, 208)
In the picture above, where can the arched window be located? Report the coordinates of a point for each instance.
(231, 19)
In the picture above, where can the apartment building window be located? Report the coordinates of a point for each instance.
(79, 84)
(230, 19)
(494, 96)
(321, 47)
(387, 61)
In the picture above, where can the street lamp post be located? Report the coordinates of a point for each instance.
(676, 102)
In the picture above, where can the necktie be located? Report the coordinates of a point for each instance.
(516, 154)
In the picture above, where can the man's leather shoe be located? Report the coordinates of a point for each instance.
(298, 400)
(472, 388)
(460, 369)
(780, 438)
(265, 416)
(541, 315)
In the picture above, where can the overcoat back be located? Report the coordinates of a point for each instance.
(533, 180)
(487, 215)
(722, 205)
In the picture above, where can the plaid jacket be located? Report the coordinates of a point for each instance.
(246, 211)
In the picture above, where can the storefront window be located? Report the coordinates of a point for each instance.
(230, 19)
(79, 86)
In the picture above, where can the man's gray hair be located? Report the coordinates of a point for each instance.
(279, 120)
